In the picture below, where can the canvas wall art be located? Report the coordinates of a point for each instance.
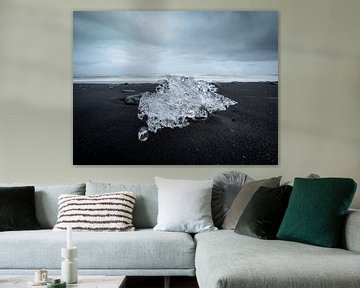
(175, 88)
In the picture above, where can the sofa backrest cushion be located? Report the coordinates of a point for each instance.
(46, 200)
(350, 238)
(146, 204)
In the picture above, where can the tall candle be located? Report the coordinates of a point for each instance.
(69, 237)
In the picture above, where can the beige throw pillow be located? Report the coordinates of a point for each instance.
(243, 198)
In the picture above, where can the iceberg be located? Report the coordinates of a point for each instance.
(178, 100)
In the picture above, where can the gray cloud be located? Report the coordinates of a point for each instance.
(130, 43)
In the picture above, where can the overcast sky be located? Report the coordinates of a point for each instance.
(151, 43)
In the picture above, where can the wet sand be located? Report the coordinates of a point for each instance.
(105, 129)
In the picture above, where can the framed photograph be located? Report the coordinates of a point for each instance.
(175, 88)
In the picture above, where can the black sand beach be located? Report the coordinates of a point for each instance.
(105, 129)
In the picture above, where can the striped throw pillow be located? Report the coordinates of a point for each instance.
(105, 212)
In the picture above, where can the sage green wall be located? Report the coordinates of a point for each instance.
(319, 91)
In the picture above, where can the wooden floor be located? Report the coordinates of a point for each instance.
(158, 282)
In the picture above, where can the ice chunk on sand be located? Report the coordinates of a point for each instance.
(179, 99)
(143, 133)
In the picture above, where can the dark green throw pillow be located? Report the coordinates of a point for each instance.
(17, 208)
(264, 213)
(316, 211)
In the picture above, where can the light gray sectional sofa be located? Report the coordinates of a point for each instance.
(219, 259)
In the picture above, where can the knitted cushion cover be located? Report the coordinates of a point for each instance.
(105, 212)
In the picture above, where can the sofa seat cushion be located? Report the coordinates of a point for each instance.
(142, 249)
(226, 259)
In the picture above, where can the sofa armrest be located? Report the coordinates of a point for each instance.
(351, 234)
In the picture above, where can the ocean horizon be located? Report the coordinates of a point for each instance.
(157, 79)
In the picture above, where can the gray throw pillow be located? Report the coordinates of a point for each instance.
(226, 187)
(310, 176)
(184, 205)
(243, 198)
(46, 200)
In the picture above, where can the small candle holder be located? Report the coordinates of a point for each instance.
(69, 270)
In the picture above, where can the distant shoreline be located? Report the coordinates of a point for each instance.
(159, 82)
(159, 79)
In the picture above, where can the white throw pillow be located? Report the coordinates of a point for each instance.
(184, 205)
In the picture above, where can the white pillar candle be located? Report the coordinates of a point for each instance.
(69, 237)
